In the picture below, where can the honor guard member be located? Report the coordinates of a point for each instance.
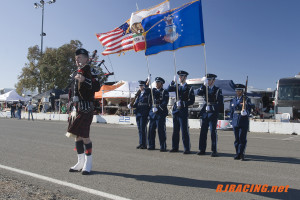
(180, 112)
(82, 115)
(240, 120)
(209, 113)
(142, 107)
(158, 115)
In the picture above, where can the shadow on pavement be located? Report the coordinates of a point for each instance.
(265, 158)
(188, 182)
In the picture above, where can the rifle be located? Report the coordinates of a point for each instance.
(138, 93)
(245, 94)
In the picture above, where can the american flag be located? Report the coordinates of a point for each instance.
(118, 40)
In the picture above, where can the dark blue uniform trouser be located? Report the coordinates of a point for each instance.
(211, 122)
(180, 122)
(160, 124)
(141, 122)
(240, 142)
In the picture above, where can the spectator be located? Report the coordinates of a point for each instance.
(29, 109)
(52, 102)
(63, 109)
(12, 110)
(19, 108)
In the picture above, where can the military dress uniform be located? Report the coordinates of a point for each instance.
(143, 106)
(157, 116)
(180, 114)
(209, 113)
(240, 122)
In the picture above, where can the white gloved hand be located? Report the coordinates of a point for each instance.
(129, 106)
(205, 81)
(154, 110)
(244, 113)
(207, 108)
(178, 104)
(174, 78)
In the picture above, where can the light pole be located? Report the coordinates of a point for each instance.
(42, 5)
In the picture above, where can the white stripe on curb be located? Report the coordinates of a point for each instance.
(71, 185)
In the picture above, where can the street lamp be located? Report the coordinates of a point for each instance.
(41, 5)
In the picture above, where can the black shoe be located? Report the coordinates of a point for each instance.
(85, 173)
(187, 152)
(73, 170)
(214, 154)
(173, 150)
(200, 153)
(243, 158)
(151, 148)
(143, 147)
(237, 157)
(138, 147)
(163, 150)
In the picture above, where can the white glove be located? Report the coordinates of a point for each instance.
(75, 99)
(205, 81)
(129, 106)
(178, 104)
(154, 110)
(244, 113)
(207, 108)
(174, 78)
(73, 113)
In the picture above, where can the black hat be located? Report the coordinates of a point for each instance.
(81, 51)
(182, 73)
(239, 87)
(159, 79)
(211, 76)
(142, 83)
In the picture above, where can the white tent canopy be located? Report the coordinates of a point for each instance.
(11, 96)
(129, 89)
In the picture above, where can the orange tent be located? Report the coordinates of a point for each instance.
(107, 88)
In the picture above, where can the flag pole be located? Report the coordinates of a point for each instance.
(205, 73)
(177, 96)
(149, 75)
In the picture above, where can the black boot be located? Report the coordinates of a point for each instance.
(237, 157)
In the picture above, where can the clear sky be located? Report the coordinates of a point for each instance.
(258, 38)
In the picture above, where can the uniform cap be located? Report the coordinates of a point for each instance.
(142, 83)
(211, 76)
(159, 79)
(239, 87)
(182, 73)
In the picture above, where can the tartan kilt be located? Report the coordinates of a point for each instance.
(80, 126)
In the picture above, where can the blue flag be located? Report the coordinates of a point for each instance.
(174, 29)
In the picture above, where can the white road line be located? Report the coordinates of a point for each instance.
(64, 183)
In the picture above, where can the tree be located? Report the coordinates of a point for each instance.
(51, 70)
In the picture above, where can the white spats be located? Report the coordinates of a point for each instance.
(87, 164)
(80, 163)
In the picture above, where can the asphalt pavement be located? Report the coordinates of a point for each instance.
(121, 170)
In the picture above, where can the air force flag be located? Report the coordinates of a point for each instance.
(174, 29)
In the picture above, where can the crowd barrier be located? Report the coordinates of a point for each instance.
(255, 126)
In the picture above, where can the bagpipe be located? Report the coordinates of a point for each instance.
(96, 78)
